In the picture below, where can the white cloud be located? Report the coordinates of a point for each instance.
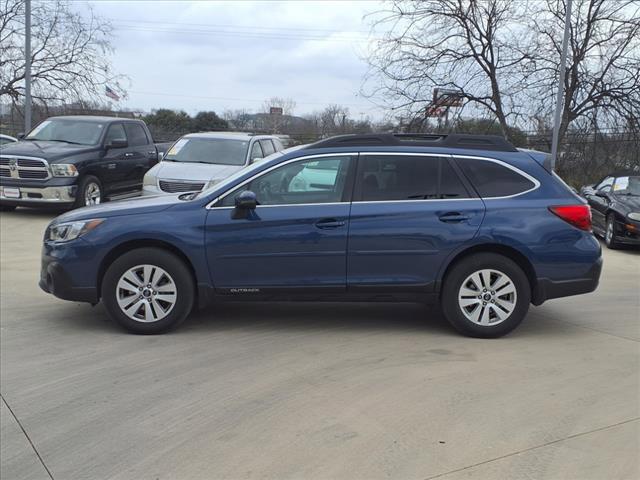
(219, 55)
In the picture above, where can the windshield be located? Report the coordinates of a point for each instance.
(627, 186)
(220, 151)
(76, 131)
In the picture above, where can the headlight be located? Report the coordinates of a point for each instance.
(634, 216)
(149, 181)
(64, 170)
(63, 232)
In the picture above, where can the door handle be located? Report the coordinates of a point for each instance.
(110, 166)
(453, 217)
(128, 154)
(327, 223)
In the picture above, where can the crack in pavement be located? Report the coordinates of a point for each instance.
(27, 436)
(440, 475)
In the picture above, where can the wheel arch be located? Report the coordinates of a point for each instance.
(507, 251)
(129, 245)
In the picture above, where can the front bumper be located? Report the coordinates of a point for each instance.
(33, 196)
(54, 280)
(628, 232)
(67, 271)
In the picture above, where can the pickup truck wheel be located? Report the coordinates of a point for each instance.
(89, 192)
(148, 291)
(485, 295)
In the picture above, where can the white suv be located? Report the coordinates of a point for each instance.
(199, 160)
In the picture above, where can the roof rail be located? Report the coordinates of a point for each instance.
(451, 140)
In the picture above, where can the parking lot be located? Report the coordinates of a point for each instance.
(315, 390)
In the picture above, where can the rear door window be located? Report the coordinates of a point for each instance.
(136, 134)
(407, 177)
(491, 179)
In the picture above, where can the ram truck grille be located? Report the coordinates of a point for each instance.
(28, 168)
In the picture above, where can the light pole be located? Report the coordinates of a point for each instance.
(560, 96)
(27, 66)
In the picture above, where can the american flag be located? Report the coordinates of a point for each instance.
(111, 94)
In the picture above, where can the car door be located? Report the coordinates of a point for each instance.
(114, 165)
(140, 156)
(599, 204)
(409, 212)
(295, 239)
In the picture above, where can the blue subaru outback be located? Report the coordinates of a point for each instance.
(471, 222)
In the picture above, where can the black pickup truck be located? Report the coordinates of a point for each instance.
(74, 161)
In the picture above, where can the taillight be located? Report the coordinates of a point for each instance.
(577, 215)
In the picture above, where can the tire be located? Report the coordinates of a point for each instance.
(610, 233)
(146, 312)
(87, 190)
(482, 317)
(7, 208)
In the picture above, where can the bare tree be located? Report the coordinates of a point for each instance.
(69, 53)
(471, 45)
(505, 56)
(238, 119)
(602, 84)
(287, 105)
(276, 123)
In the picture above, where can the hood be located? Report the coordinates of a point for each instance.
(200, 172)
(150, 204)
(630, 201)
(45, 149)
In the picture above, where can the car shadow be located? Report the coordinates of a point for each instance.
(292, 317)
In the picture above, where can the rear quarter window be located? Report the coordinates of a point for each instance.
(491, 179)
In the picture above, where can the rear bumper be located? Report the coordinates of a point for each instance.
(547, 289)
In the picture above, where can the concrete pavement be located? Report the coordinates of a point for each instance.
(358, 391)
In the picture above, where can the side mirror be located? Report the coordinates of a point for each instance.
(21, 135)
(246, 200)
(117, 143)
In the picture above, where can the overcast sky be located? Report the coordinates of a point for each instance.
(220, 55)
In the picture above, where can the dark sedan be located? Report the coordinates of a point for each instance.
(615, 206)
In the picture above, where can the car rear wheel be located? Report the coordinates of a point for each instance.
(485, 295)
(148, 291)
(610, 233)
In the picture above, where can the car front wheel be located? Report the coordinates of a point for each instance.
(148, 291)
(89, 192)
(486, 295)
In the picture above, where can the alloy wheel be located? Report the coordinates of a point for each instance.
(609, 233)
(487, 297)
(146, 293)
(92, 194)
